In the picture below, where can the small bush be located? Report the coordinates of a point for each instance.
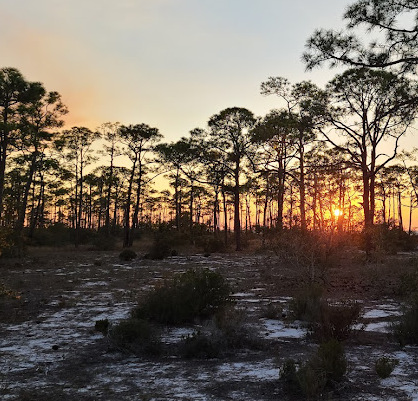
(230, 323)
(198, 293)
(311, 379)
(406, 330)
(214, 245)
(222, 336)
(272, 311)
(104, 242)
(135, 335)
(160, 249)
(384, 366)
(322, 370)
(288, 375)
(127, 255)
(332, 360)
(336, 321)
(102, 326)
(387, 239)
(6, 292)
(307, 305)
(201, 345)
(325, 321)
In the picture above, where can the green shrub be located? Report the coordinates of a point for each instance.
(104, 242)
(214, 245)
(102, 326)
(160, 249)
(336, 321)
(327, 367)
(221, 337)
(272, 311)
(288, 375)
(127, 255)
(11, 244)
(311, 379)
(201, 345)
(387, 239)
(406, 329)
(325, 321)
(384, 366)
(332, 360)
(230, 323)
(306, 306)
(135, 335)
(197, 293)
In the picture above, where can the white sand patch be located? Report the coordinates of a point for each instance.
(275, 329)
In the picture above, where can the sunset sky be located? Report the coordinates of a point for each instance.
(167, 63)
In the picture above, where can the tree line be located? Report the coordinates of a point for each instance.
(326, 158)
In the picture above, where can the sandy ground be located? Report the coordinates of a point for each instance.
(49, 349)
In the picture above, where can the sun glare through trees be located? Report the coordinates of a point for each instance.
(322, 151)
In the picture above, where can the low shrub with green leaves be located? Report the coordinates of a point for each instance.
(201, 345)
(325, 321)
(214, 245)
(406, 329)
(324, 369)
(336, 321)
(102, 326)
(220, 337)
(306, 306)
(136, 336)
(197, 293)
(127, 255)
(384, 366)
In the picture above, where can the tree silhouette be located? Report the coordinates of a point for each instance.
(36, 118)
(13, 92)
(305, 105)
(230, 135)
(370, 107)
(139, 140)
(396, 48)
(76, 145)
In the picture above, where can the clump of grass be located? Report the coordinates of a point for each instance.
(384, 366)
(201, 345)
(127, 255)
(325, 321)
(324, 369)
(223, 335)
(197, 293)
(272, 311)
(336, 321)
(306, 305)
(406, 329)
(136, 336)
(6, 292)
(212, 245)
(102, 326)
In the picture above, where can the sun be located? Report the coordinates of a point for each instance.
(338, 213)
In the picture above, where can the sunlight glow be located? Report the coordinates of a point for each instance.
(338, 212)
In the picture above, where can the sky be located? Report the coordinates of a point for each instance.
(171, 64)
